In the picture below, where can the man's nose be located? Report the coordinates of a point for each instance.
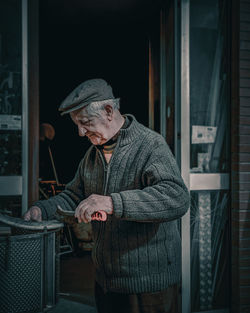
(81, 131)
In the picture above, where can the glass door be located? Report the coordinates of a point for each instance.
(11, 107)
(19, 128)
(205, 154)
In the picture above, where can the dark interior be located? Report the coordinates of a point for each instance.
(80, 40)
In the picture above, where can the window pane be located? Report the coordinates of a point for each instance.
(209, 87)
(210, 241)
(10, 105)
(210, 153)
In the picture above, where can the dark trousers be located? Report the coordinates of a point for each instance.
(157, 302)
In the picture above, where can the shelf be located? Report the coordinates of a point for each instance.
(209, 181)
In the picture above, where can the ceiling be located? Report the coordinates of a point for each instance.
(98, 11)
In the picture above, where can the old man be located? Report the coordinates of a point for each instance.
(130, 174)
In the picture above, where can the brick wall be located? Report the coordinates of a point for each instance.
(240, 183)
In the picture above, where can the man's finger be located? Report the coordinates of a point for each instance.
(87, 215)
(35, 215)
(81, 207)
(79, 214)
(26, 216)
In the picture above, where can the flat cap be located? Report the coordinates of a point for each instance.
(89, 91)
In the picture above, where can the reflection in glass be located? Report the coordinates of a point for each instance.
(209, 87)
(209, 233)
(10, 104)
(210, 153)
(10, 88)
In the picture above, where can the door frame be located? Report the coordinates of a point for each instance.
(30, 103)
(194, 181)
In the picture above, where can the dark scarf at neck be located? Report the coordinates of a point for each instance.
(109, 146)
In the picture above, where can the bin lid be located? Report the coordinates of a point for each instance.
(30, 225)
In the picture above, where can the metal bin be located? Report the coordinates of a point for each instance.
(29, 265)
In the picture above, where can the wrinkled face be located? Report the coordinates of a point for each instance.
(96, 128)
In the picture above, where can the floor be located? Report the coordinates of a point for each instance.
(67, 306)
(76, 284)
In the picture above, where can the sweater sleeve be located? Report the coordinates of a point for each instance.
(164, 196)
(67, 199)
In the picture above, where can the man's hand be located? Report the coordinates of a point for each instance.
(92, 204)
(33, 214)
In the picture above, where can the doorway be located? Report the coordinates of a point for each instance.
(79, 41)
(82, 40)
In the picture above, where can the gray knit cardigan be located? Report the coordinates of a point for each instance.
(138, 248)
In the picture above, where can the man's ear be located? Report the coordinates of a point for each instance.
(109, 111)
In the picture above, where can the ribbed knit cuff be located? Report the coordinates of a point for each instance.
(117, 204)
(43, 210)
(48, 208)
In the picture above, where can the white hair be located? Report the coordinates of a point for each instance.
(94, 108)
